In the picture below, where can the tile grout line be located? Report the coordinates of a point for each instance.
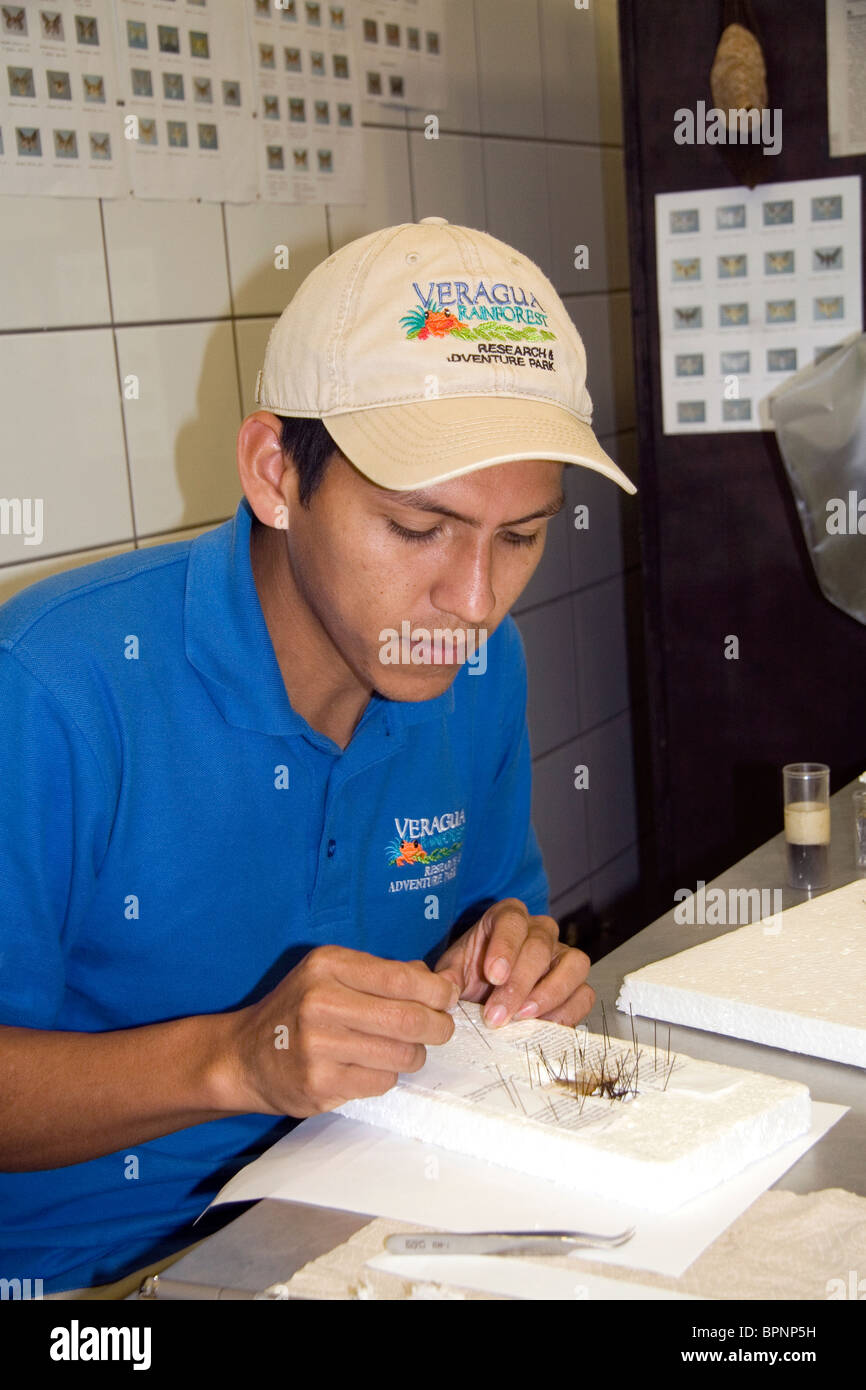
(127, 453)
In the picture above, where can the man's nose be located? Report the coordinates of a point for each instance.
(465, 586)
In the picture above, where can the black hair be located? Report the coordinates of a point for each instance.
(309, 446)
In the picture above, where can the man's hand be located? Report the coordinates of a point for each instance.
(516, 965)
(343, 1024)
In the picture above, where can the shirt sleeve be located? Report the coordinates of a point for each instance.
(504, 859)
(51, 795)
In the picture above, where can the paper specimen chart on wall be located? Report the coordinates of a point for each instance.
(402, 45)
(184, 71)
(58, 100)
(222, 100)
(753, 285)
(309, 140)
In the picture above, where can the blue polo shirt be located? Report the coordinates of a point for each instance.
(174, 838)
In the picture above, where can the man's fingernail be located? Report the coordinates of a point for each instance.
(495, 1016)
(528, 1011)
(498, 971)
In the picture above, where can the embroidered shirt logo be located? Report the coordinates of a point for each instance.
(429, 844)
(453, 308)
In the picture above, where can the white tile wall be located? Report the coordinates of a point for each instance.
(448, 178)
(185, 294)
(181, 431)
(251, 339)
(553, 702)
(616, 879)
(63, 440)
(510, 79)
(253, 230)
(601, 651)
(596, 550)
(569, 41)
(607, 58)
(604, 323)
(559, 814)
(578, 896)
(166, 260)
(610, 800)
(586, 189)
(52, 269)
(515, 181)
(553, 575)
(389, 199)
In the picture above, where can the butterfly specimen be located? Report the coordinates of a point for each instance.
(692, 316)
(13, 20)
(831, 257)
(780, 261)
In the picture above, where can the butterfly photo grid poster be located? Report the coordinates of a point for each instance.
(753, 285)
(59, 130)
(185, 78)
(220, 100)
(402, 52)
(306, 87)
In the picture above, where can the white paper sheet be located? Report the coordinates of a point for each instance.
(846, 76)
(307, 97)
(402, 49)
(753, 284)
(332, 1161)
(518, 1278)
(185, 76)
(59, 126)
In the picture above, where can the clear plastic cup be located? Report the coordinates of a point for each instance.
(806, 791)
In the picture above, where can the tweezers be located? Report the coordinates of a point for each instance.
(502, 1242)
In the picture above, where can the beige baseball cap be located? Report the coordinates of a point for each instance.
(430, 350)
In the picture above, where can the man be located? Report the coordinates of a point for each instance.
(236, 812)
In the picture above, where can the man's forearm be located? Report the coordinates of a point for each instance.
(69, 1097)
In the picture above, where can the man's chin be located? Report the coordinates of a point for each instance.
(423, 682)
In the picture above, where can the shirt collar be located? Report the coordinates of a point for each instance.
(228, 643)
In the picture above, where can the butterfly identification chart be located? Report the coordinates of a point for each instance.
(185, 78)
(307, 89)
(402, 49)
(58, 100)
(753, 284)
(222, 100)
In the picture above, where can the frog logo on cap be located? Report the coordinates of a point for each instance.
(421, 323)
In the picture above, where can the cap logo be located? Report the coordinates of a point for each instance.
(454, 307)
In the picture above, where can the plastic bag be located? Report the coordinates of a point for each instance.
(820, 422)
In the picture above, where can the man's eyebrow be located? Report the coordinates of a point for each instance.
(426, 502)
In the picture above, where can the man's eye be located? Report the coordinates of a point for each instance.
(512, 537)
(412, 535)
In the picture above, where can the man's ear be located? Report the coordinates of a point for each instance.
(267, 477)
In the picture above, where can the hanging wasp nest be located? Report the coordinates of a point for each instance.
(738, 77)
